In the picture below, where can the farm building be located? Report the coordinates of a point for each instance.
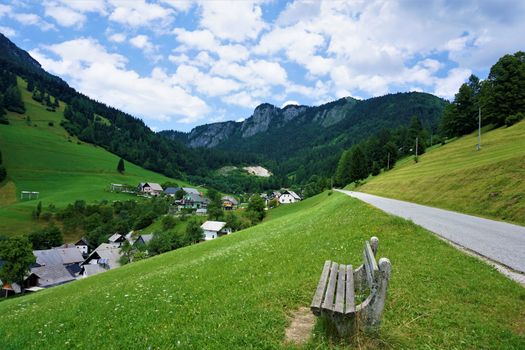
(172, 191)
(116, 239)
(214, 229)
(106, 256)
(52, 267)
(229, 203)
(190, 190)
(151, 188)
(194, 201)
(83, 246)
(288, 196)
(143, 240)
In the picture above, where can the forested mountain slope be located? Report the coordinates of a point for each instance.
(121, 133)
(309, 140)
(41, 156)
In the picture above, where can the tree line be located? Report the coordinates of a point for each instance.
(500, 99)
(382, 150)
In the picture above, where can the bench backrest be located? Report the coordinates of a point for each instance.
(370, 264)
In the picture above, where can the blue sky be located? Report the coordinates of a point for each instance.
(178, 64)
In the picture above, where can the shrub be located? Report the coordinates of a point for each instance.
(513, 119)
(51, 124)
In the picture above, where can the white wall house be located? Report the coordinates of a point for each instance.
(287, 197)
(151, 188)
(214, 229)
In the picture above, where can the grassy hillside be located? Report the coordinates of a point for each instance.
(43, 158)
(237, 292)
(488, 183)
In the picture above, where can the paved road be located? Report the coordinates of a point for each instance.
(498, 241)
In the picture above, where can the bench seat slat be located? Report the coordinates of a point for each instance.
(350, 294)
(319, 293)
(340, 294)
(328, 302)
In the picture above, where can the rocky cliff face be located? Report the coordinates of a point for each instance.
(260, 120)
(265, 117)
(210, 135)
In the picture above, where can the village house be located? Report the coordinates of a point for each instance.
(52, 267)
(288, 196)
(190, 190)
(214, 229)
(105, 257)
(150, 188)
(194, 201)
(143, 240)
(229, 203)
(172, 191)
(83, 246)
(116, 239)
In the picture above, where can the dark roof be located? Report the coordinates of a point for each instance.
(172, 190)
(196, 198)
(82, 241)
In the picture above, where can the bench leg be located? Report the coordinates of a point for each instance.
(344, 325)
(372, 313)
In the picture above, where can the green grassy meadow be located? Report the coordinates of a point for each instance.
(44, 158)
(488, 183)
(238, 292)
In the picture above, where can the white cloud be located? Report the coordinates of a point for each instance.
(139, 13)
(64, 16)
(5, 10)
(209, 85)
(242, 99)
(255, 73)
(205, 40)
(117, 37)
(179, 5)
(290, 103)
(31, 19)
(103, 76)
(447, 87)
(232, 20)
(72, 13)
(7, 31)
(143, 42)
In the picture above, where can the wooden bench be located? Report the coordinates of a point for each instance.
(339, 284)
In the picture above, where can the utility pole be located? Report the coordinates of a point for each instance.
(431, 139)
(478, 146)
(417, 137)
(388, 162)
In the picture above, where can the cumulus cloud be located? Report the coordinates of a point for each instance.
(139, 13)
(242, 53)
(7, 31)
(117, 37)
(232, 20)
(72, 13)
(104, 76)
(32, 20)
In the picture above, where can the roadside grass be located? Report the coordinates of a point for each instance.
(488, 183)
(237, 292)
(44, 158)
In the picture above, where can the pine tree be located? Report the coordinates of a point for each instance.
(358, 165)
(120, 166)
(13, 100)
(342, 174)
(30, 85)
